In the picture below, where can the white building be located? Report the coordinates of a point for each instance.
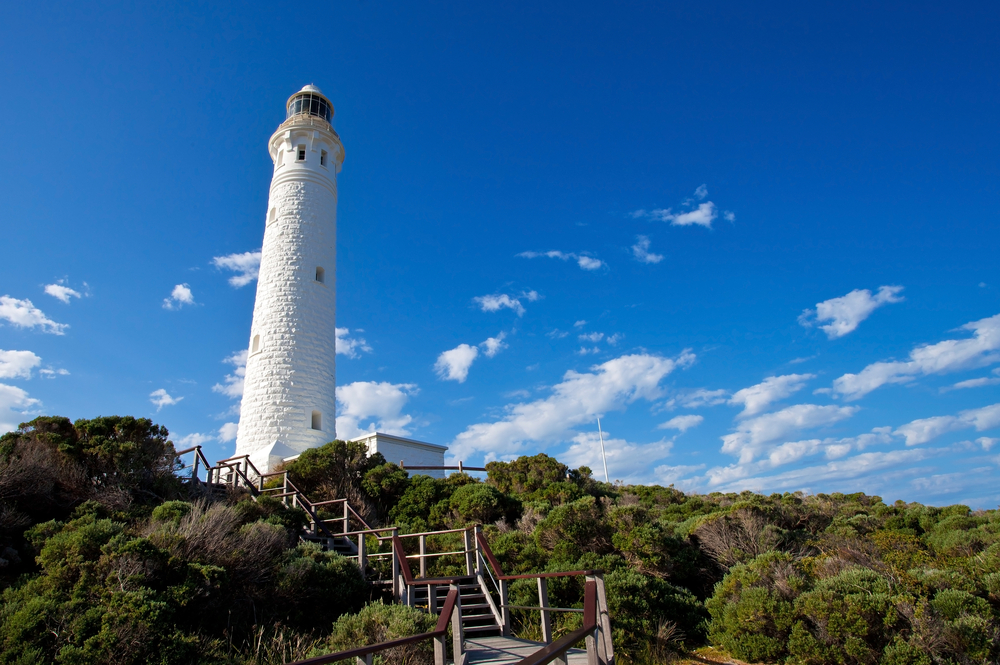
(406, 452)
(289, 394)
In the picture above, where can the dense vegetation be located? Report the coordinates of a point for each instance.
(107, 557)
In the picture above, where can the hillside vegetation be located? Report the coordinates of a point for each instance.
(107, 557)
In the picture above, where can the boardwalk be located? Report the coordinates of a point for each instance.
(497, 650)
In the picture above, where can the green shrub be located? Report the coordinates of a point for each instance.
(752, 610)
(376, 623)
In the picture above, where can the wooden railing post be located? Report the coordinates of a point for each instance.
(605, 646)
(194, 471)
(362, 554)
(543, 602)
(504, 609)
(470, 566)
(397, 587)
(347, 516)
(284, 489)
(367, 660)
(422, 541)
(457, 633)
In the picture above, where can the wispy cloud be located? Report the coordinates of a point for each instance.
(846, 312)
(61, 292)
(926, 429)
(754, 435)
(952, 355)
(972, 383)
(498, 301)
(180, 296)
(682, 423)
(578, 398)
(160, 398)
(232, 386)
(758, 398)
(17, 364)
(641, 251)
(494, 345)
(585, 262)
(351, 346)
(246, 265)
(23, 314)
(689, 214)
(381, 404)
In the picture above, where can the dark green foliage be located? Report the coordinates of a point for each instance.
(104, 558)
(753, 610)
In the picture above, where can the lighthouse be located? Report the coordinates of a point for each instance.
(289, 394)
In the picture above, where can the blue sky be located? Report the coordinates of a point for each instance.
(759, 242)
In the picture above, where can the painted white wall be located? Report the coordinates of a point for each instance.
(396, 449)
(291, 366)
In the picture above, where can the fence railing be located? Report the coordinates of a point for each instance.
(450, 612)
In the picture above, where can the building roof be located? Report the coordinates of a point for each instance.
(391, 438)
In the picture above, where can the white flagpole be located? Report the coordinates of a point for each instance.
(604, 455)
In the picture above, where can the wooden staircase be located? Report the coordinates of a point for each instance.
(476, 602)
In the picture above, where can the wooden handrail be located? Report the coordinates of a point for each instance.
(404, 568)
(495, 564)
(440, 629)
(559, 647)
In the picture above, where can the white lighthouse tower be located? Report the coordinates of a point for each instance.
(289, 390)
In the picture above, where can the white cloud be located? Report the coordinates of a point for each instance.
(698, 398)
(837, 471)
(703, 215)
(579, 323)
(228, 432)
(23, 314)
(496, 302)
(62, 292)
(758, 398)
(557, 334)
(701, 192)
(453, 365)
(591, 337)
(972, 383)
(614, 339)
(846, 312)
(17, 364)
(925, 429)
(180, 296)
(348, 346)
(194, 439)
(49, 373)
(578, 398)
(245, 265)
(161, 399)
(948, 356)
(682, 423)
(729, 216)
(629, 462)
(584, 351)
(494, 345)
(753, 435)
(13, 404)
(585, 262)
(641, 251)
(381, 402)
(987, 442)
(233, 386)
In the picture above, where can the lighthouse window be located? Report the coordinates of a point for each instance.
(322, 158)
(320, 275)
(273, 216)
(255, 345)
(301, 154)
(317, 420)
